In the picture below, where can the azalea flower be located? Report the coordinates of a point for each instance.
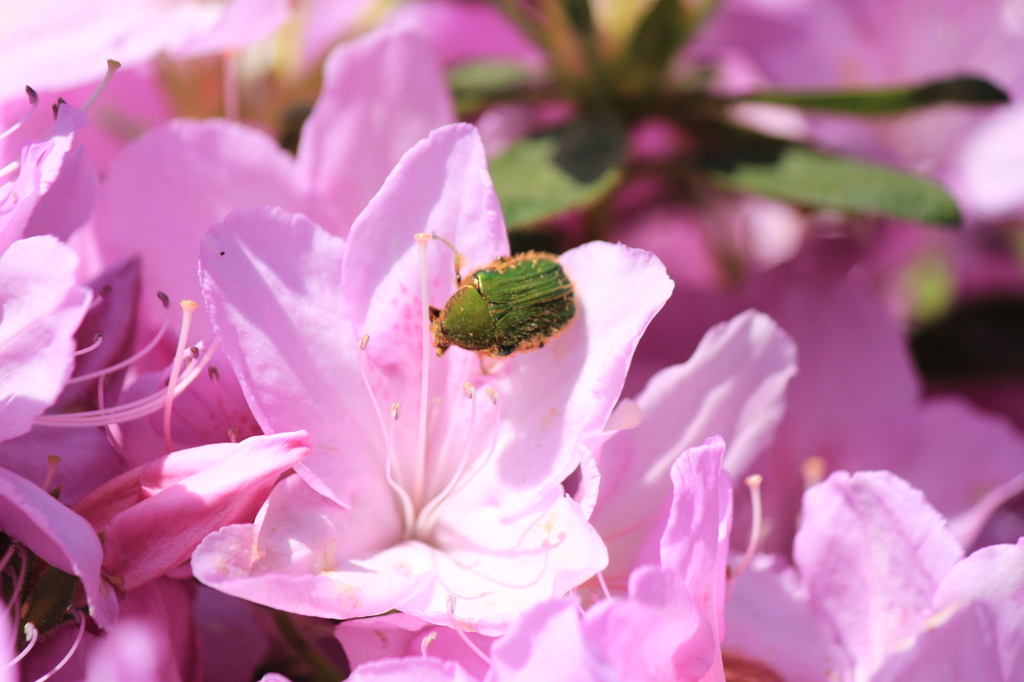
(881, 590)
(457, 488)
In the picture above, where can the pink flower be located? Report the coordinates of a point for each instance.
(879, 571)
(464, 498)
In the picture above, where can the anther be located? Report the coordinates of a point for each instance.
(194, 352)
(51, 469)
(31, 637)
(427, 641)
(469, 389)
(33, 100)
(813, 471)
(396, 409)
(753, 483)
(97, 340)
(492, 394)
(363, 340)
(112, 67)
(457, 626)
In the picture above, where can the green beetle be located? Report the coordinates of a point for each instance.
(514, 304)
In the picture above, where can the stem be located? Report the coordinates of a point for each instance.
(323, 670)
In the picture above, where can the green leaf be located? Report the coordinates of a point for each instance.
(541, 178)
(809, 178)
(476, 84)
(962, 90)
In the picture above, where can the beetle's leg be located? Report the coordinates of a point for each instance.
(458, 258)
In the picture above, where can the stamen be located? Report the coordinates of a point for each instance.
(51, 468)
(129, 411)
(9, 168)
(33, 100)
(32, 636)
(214, 375)
(576, 599)
(753, 483)
(364, 371)
(187, 308)
(114, 435)
(423, 520)
(95, 344)
(493, 396)
(7, 557)
(112, 67)
(422, 238)
(19, 582)
(604, 585)
(71, 652)
(407, 512)
(457, 626)
(146, 349)
(427, 641)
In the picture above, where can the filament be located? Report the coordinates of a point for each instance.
(32, 635)
(51, 468)
(71, 651)
(407, 512)
(427, 641)
(91, 347)
(493, 396)
(431, 506)
(33, 100)
(604, 585)
(361, 361)
(187, 308)
(146, 349)
(112, 67)
(753, 483)
(457, 626)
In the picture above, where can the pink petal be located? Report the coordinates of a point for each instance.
(987, 185)
(501, 561)
(566, 391)
(696, 539)
(133, 651)
(87, 460)
(231, 634)
(439, 187)
(548, 643)
(732, 386)
(292, 558)
(959, 646)
(872, 552)
(59, 537)
(220, 166)
(242, 23)
(658, 633)
(771, 621)
(229, 491)
(411, 669)
(42, 307)
(381, 95)
(276, 299)
(395, 635)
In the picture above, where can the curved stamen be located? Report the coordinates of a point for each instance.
(112, 67)
(457, 626)
(493, 395)
(407, 510)
(753, 483)
(7, 557)
(9, 168)
(33, 100)
(427, 641)
(114, 435)
(604, 585)
(146, 349)
(365, 372)
(429, 508)
(187, 308)
(71, 651)
(422, 239)
(93, 346)
(32, 635)
(129, 411)
(214, 375)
